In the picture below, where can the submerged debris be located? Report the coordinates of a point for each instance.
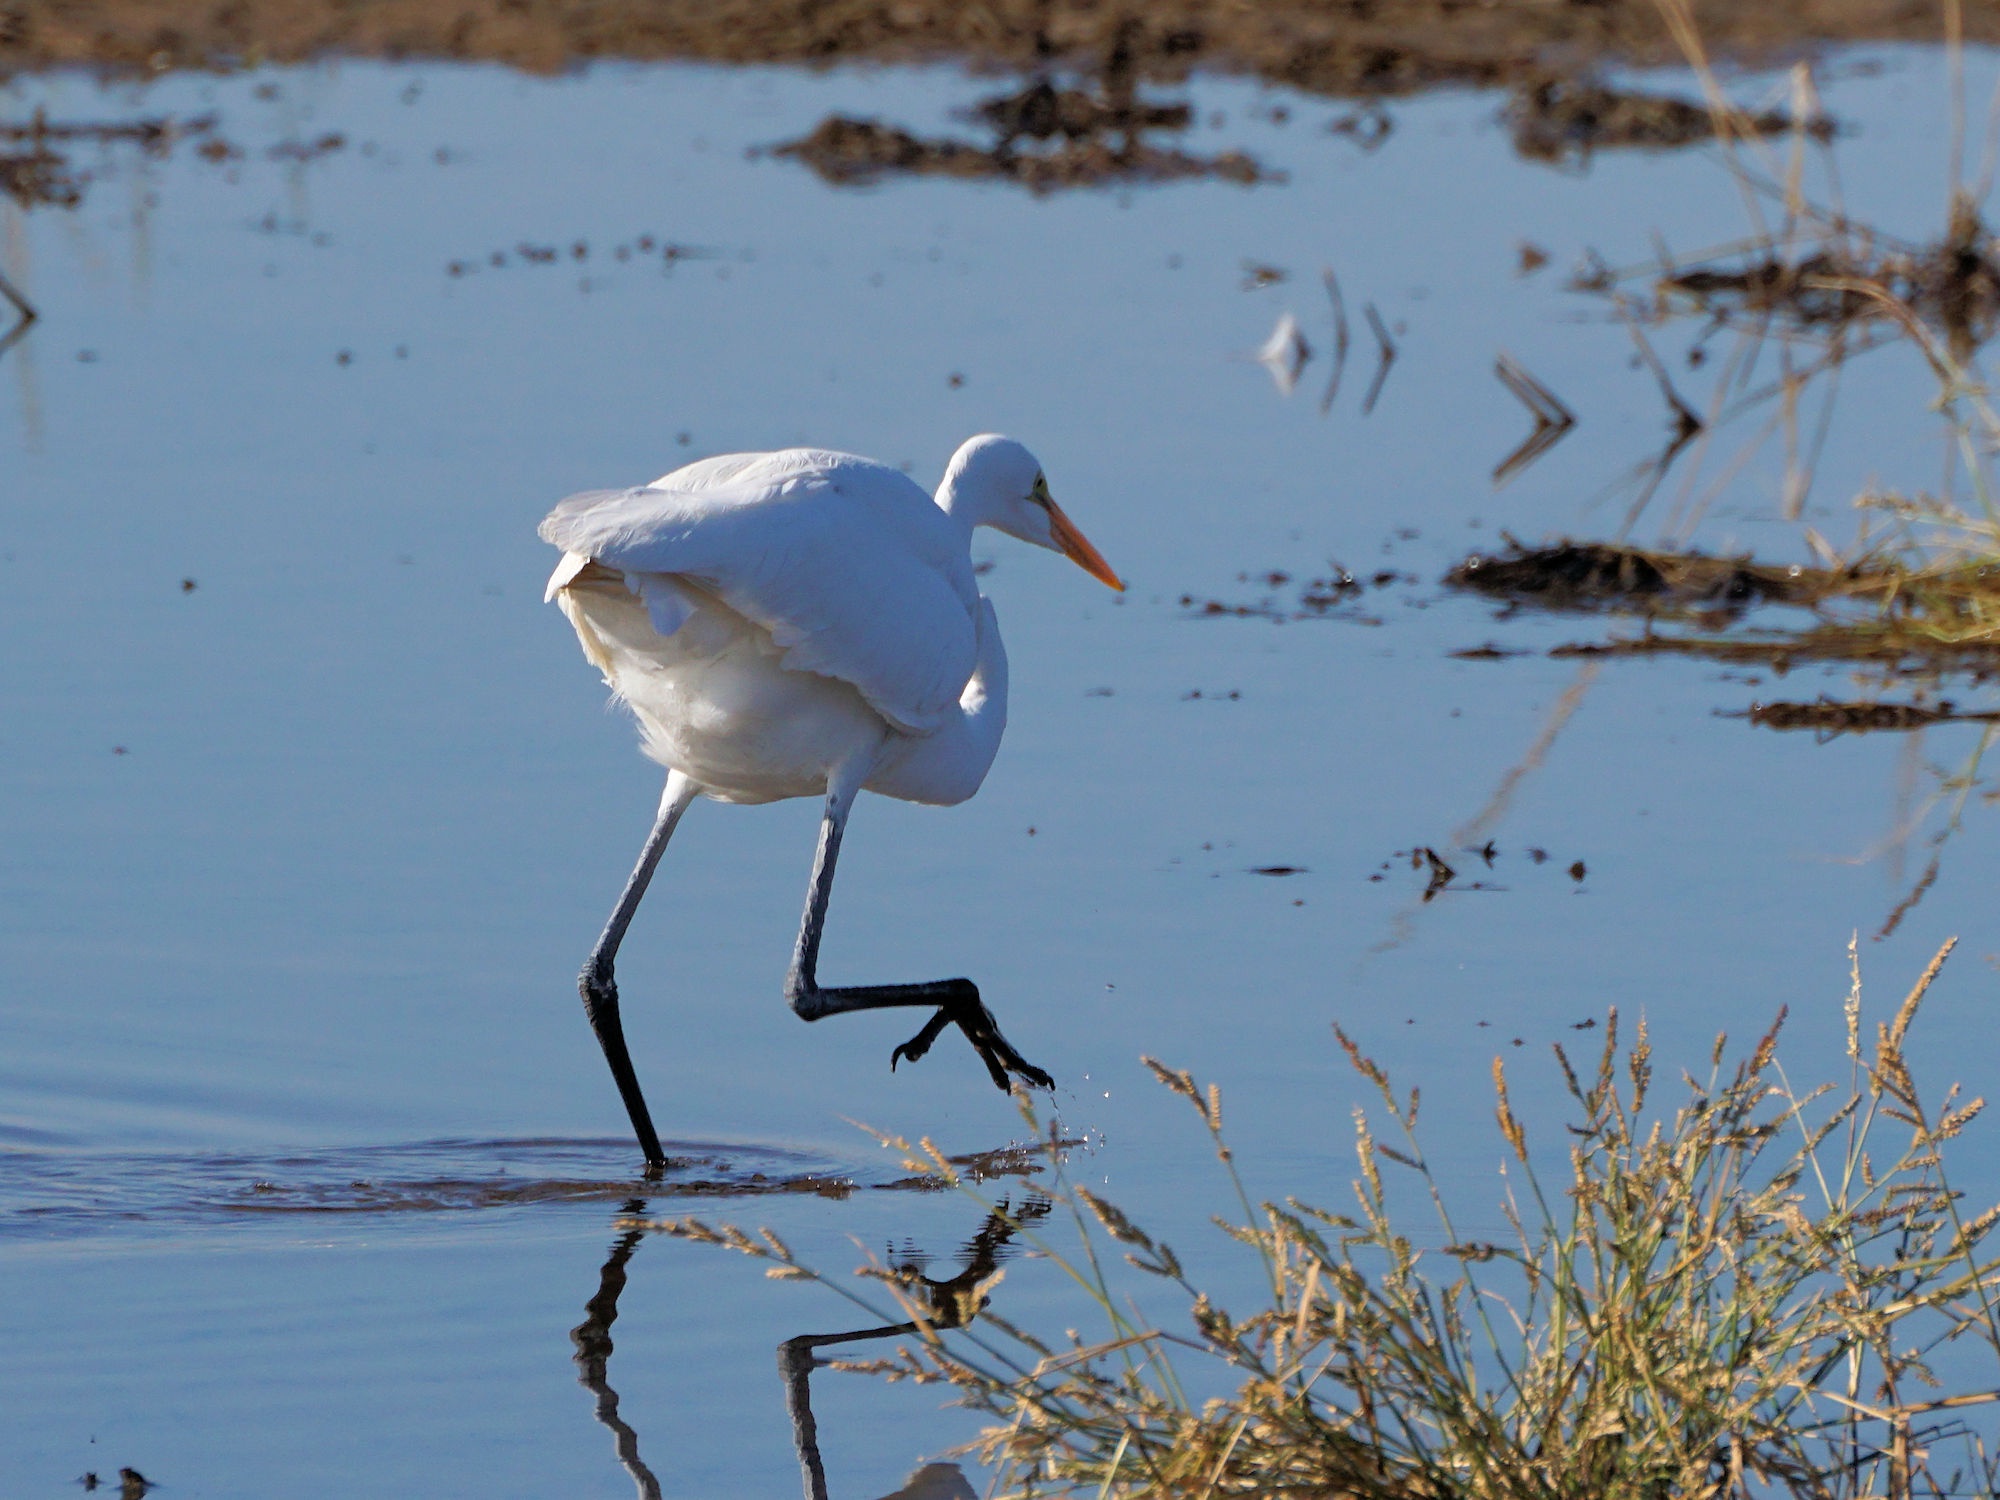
(1441, 874)
(40, 175)
(1317, 598)
(645, 248)
(156, 135)
(305, 151)
(39, 178)
(1608, 576)
(1953, 284)
(1781, 651)
(1827, 717)
(847, 152)
(1553, 118)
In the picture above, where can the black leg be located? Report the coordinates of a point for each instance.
(957, 1000)
(592, 1338)
(599, 987)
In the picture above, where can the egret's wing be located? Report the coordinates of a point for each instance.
(843, 593)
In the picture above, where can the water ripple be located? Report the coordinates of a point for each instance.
(56, 1194)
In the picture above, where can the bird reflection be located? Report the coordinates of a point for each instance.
(949, 1303)
(592, 1338)
(937, 1303)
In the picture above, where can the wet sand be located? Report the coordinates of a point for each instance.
(1360, 47)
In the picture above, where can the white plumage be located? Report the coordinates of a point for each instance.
(770, 616)
(803, 623)
(852, 571)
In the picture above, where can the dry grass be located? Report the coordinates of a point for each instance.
(1909, 601)
(1773, 320)
(1754, 1291)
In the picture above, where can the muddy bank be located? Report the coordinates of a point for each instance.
(1332, 47)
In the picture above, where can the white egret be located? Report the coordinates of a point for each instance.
(802, 624)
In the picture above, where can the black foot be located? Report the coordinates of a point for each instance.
(972, 1017)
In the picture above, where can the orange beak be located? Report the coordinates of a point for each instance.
(1076, 547)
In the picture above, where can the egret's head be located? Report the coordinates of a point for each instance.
(995, 481)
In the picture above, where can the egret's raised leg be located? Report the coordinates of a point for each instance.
(957, 1000)
(598, 986)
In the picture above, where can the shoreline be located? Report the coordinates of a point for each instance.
(1360, 48)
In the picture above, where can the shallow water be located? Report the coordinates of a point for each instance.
(308, 1165)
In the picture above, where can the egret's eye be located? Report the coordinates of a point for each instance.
(1040, 493)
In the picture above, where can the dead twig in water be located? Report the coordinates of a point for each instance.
(21, 304)
(1553, 420)
(1685, 424)
(1442, 874)
(1963, 784)
(26, 314)
(1340, 338)
(1686, 427)
(1387, 346)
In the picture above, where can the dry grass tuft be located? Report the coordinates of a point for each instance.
(1756, 1291)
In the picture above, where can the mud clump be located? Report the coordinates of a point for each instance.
(1583, 576)
(849, 152)
(1556, 118)
(39, 179)
(1041, 112)
(1827, 717)
(1078, 138)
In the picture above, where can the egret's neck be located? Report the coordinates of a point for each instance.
(967, 502)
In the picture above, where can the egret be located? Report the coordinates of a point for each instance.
(804, 623)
